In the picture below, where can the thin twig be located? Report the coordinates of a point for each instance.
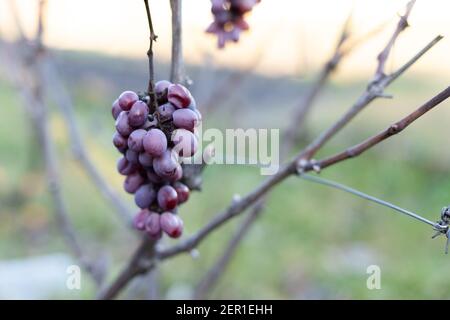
(374, 140)
(177, 66)
(373, 91)
(153, 104)
(383, 56)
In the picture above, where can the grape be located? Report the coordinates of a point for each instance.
(177, 175)
(185, 119)
(127, 99)
(144, 196)
(135, 140)
(133, 182)
(140, 219)
(166, 165)
(153, 177)
(122, 125)
(179, 96)
(153, 225)
(132, 156)
(155, 142)
(138, 114)
(125, 167)
(165, 112)
(145, 159)
(186, 142)
(167, 198)
(171, 224)
(119, 141)
(115, 110)
(182, 192)
(229, 19)
(161, 86)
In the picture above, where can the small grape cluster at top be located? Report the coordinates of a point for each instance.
(152, 145)
(229, 19)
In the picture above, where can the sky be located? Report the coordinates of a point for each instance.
(287, 37)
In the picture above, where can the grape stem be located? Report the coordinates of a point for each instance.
(153, 104)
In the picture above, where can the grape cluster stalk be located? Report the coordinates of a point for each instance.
(152, 145)
(229, 19)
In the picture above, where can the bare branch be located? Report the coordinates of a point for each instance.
(241, 205)
(374, 90)
(343, 48)
(390, 131)
(383, 56)
(176, 67)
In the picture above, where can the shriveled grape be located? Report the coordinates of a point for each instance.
(167, 198)
(155, 142)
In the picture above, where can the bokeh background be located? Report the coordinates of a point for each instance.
(311, 242)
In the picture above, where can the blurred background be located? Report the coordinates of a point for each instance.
(311, 242)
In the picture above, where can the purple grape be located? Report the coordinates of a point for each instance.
(138, 114)
(145, 159)
(166, 165)
(165, 112)
(185, 119)
(127, 99)
(135, 140)
(161, 86)
(140, 219)
(144, 196)
(122, 125)
(179, 96)
(167, 198)
(132, 156)
(116, 109)
(153, 225)
(182, 192)
(177, 175)
(119, 141)
(186, 142)
(125, 167)
(153, 177)
(171, 224)
(133, 182)
(155, 142)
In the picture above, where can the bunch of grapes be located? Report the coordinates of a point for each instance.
(153, 137)
(229, 19)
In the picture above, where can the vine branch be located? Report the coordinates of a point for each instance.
(153, 104)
